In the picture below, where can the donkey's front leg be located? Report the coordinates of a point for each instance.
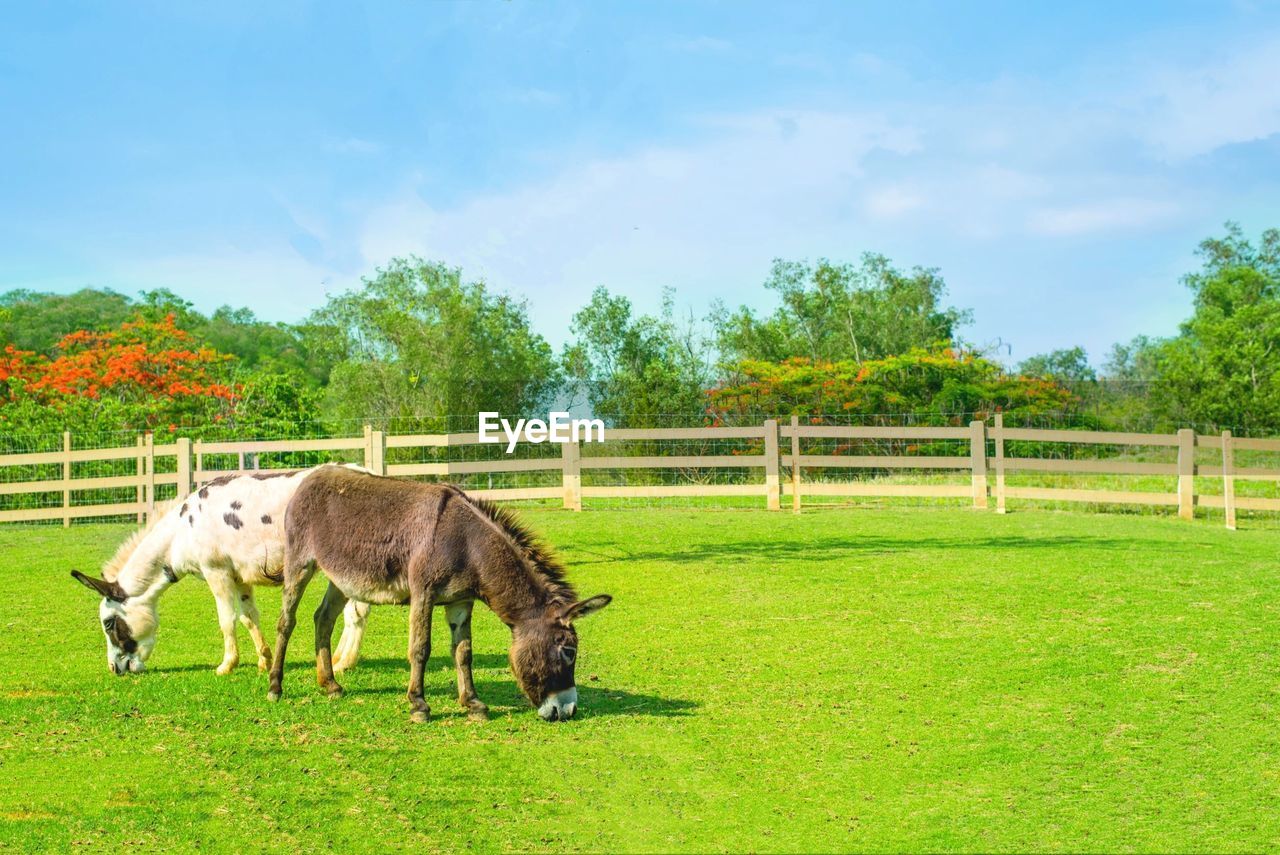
(250, 618)
(419, 652)
(325, 617)
(295, 583)
(459, 617)
(227, 597)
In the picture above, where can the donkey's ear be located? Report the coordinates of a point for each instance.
(110, 590)
(586, 607)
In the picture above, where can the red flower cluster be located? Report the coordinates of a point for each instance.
(142, 360)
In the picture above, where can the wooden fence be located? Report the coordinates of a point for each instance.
(971, 452)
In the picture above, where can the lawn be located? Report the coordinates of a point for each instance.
(840, 680)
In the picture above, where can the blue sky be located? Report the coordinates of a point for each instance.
(1058, 162)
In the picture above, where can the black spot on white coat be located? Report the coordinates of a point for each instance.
(232, 520)
(235, 506)
(266, 519)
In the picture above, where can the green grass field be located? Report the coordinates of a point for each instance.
(840, 680)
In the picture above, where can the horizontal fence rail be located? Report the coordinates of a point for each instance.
(818, 460)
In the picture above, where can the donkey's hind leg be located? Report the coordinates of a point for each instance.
(228, 600)
(325, 617)
(354, 619)
(459, 617)
(419, 652)
(251, 619)
(296, 578)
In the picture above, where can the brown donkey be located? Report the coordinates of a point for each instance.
(381, 540)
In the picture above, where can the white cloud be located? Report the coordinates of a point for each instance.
(273, 280)
(890, 203)
(754, 171)
(1189, 110)
(984, 180)
(713, 212)
(1104, 216)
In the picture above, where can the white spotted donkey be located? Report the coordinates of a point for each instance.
(230, 532)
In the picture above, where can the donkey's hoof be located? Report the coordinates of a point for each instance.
(333, 691)
(225, 668)
(342, 664)
(478, 712)
(264, 663)
(420, 716)
(273, 696)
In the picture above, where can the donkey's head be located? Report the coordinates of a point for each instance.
(544, 650)
(128, 623)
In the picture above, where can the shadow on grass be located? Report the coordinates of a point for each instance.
(503, 695)
(830, 547)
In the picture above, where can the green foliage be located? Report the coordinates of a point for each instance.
(1223, 367)
(943, 383)
(634, 370)
(416, 343)
(37, 322)
(1070, 365)
(834, 312)
(278, 404)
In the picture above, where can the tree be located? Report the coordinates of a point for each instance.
(952, 386)
(417, 342)
(1070, 365)
(37, 322)
(143, 374)
(636, 370)
(1223, 367)
(834, 312)
(262, 346)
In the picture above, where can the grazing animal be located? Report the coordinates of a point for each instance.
(381, 540)
(230, 532)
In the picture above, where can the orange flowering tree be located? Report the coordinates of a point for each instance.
(943, 382)
(143, 374)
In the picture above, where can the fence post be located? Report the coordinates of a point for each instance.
(795, 464)
(184, 467)
(378, 452)
(140, 494)
(198, 453)
(1186, 473)
(66, 478)
(999, 440)
(978, 455)
(571, 475)
(368, 447)
(151, 475)
(772, 484)
(1228, 480)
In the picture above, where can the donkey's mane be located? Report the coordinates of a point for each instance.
(541, 557)
(111, 570)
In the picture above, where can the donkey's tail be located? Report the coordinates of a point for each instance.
(275, 578)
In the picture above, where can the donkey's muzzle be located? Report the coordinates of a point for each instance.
(560, 706)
